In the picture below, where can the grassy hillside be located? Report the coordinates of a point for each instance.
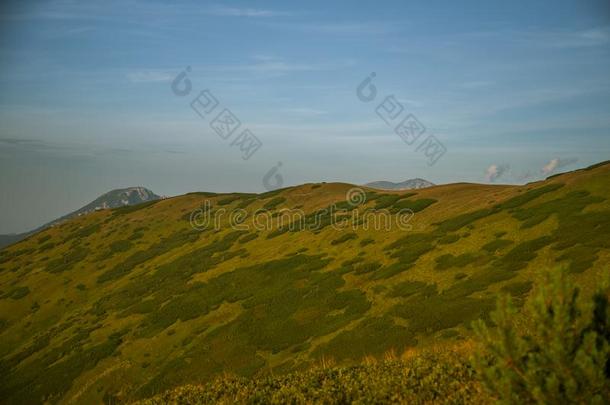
(127, 303)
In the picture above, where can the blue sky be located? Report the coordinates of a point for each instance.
(513, 90)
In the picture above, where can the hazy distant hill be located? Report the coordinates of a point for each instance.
(9, 239)
(405, 185)
(125, 303)
(112, 199)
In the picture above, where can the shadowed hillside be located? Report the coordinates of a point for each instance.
(130, 302)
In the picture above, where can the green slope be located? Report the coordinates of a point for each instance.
(131, 302)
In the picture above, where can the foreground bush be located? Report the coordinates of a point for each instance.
(427, 378)
(560, 357)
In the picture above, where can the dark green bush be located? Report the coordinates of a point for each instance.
(448, 239)
(273, 203)
(175, 240)
(120, 246)
(407, 250)
(344, 238)
(359, 266)
(228, 200)
(86, 231)
(277, 232)
(44, 238)
(366, 241)
(458, 222)
(413, 205)
(248, 237)
(517, 288)
(447, 261)
(67, 261)
(496, 244)
(137, 235)
(373, 336)
(386, 200)
(19, 292)
(409, 288)
(572, 203)
(528, 196)
(561, 356)
(46, 246)
(580, 257)
(245, 202)
(518, 257)
(52, 375)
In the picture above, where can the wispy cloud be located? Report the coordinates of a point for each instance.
(494, 172)
(246, 12)
(272, 64)
(476, 84)
(555, 164)
(22, 142)
(70, 32)
(174, 152)
(341, 28)
(572, 39)
(150, 76)
(565, 38)
(304, 111)
(114, 10)
(454, 44)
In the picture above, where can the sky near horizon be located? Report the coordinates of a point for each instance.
(514, 91)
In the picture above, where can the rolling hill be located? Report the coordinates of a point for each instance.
(124, 304)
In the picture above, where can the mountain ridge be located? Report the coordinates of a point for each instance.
(129, 302)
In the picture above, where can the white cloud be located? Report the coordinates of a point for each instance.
(551, 166)
(494, 172)
(555, 164)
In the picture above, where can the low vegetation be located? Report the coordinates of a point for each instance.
(431, 377)
(562, 356)
(122, 305)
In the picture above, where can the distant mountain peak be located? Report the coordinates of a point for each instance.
(405, 185)
(112, 199)
(118, 198)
